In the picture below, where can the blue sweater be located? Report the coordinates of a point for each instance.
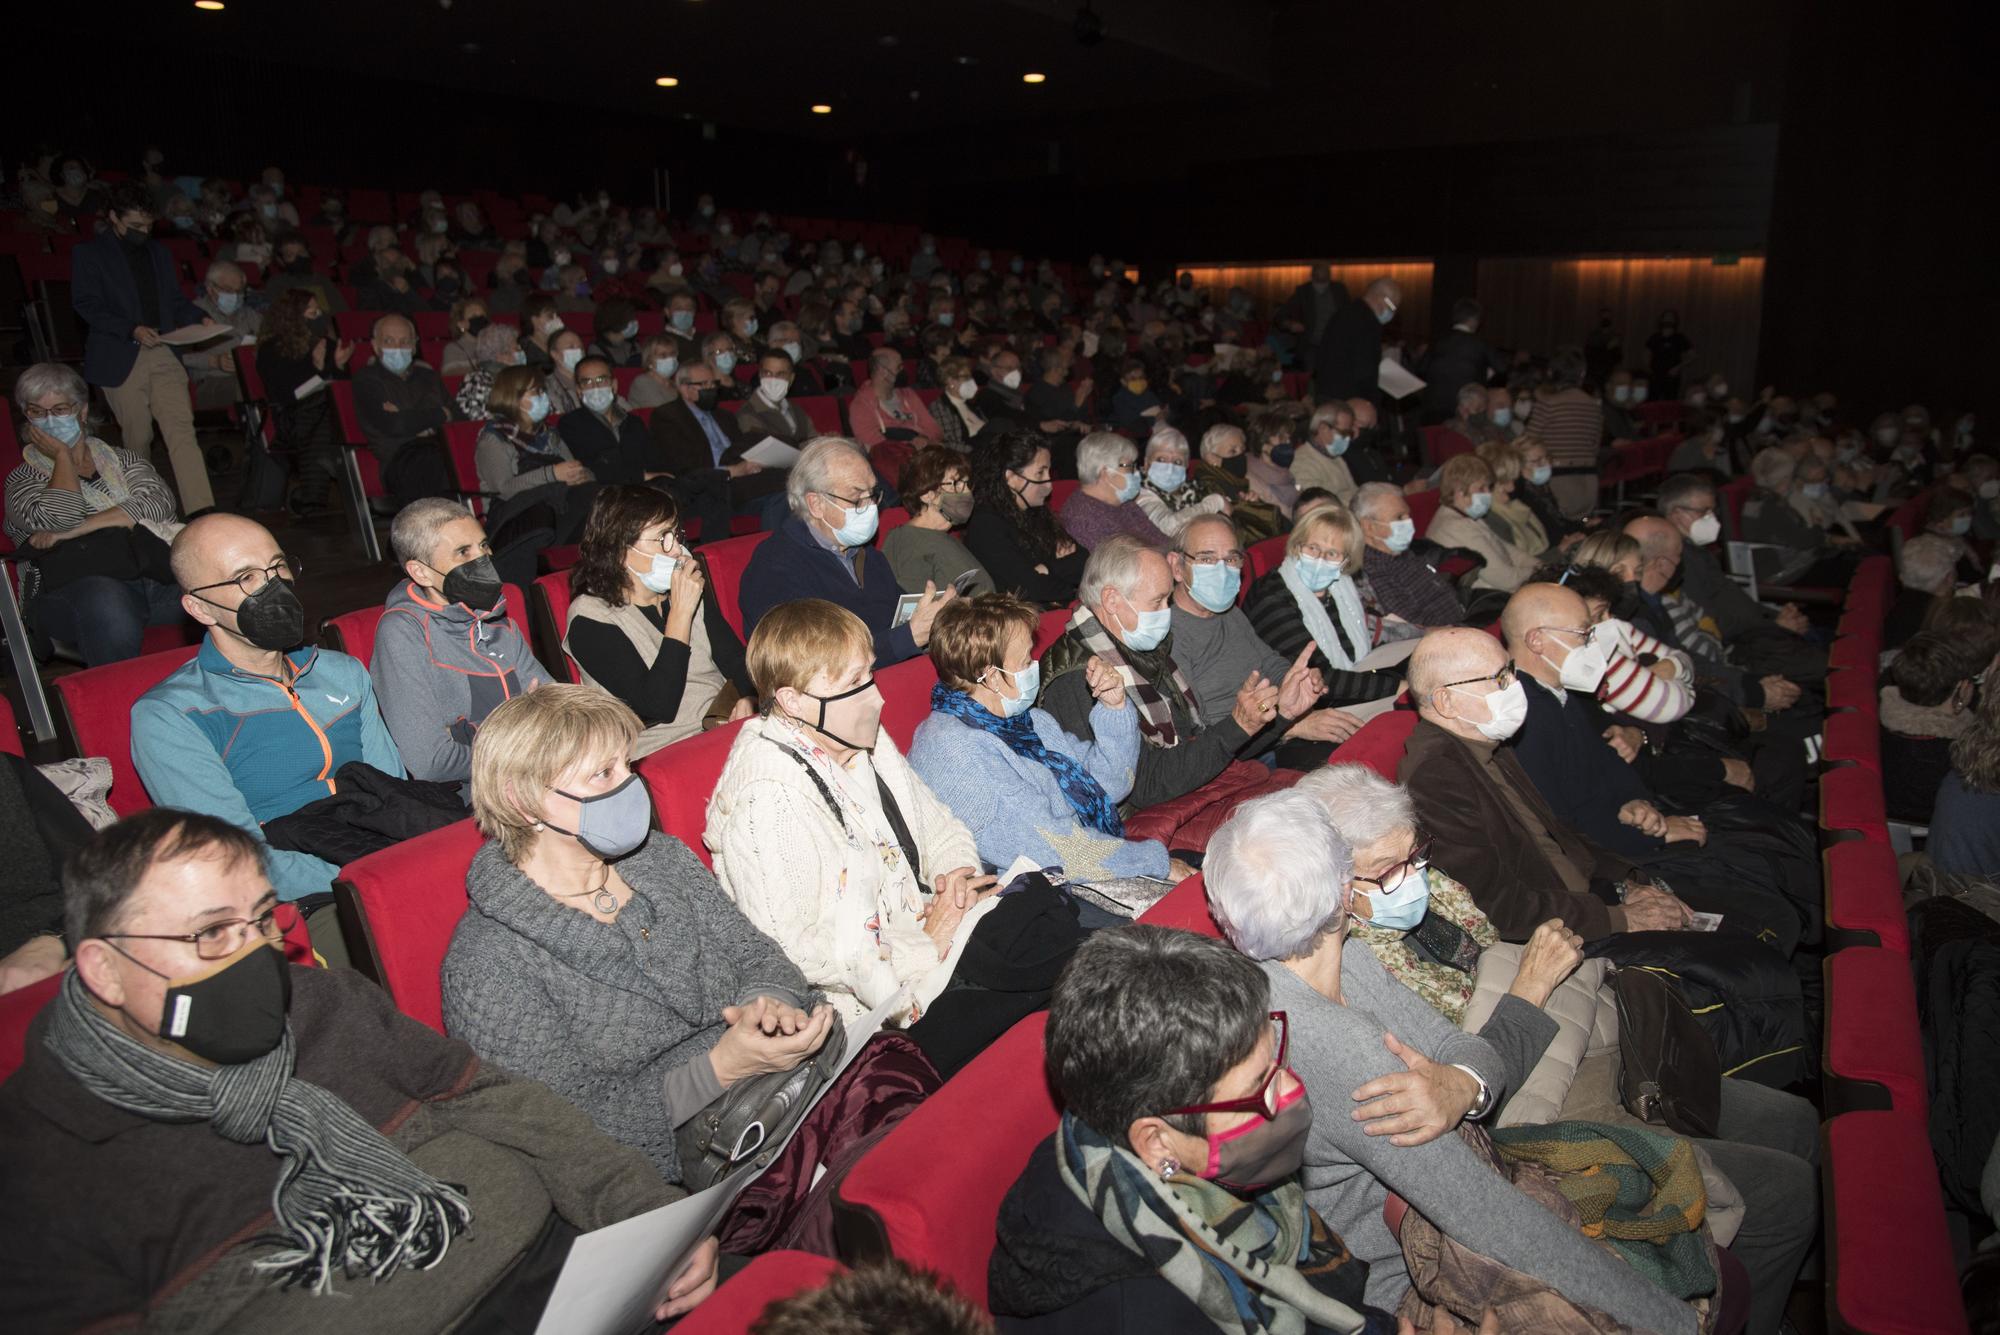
(247, 749)
(1965, 829)
(1015, 808)
(791, 564)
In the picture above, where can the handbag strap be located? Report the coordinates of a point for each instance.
(897, 824)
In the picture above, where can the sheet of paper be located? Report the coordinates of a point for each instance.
(1395, 380)
(615, 1276)
(1704, 922)
(1370, 709)
(309, 388)
(195, 333)
(772, 453)
(1384, 656)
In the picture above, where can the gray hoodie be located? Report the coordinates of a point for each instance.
(439, 670)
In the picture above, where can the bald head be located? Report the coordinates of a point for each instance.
(1660, 545)
(1454, 653)
(1535, 606)
(219, 546)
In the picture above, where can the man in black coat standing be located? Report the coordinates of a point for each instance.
(1459, 358)
(1350, 353)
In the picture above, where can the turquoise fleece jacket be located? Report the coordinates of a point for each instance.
(247, 749)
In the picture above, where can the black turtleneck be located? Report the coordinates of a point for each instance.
(138, 250)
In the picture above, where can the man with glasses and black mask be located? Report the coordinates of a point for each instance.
(826, 549)
(260, 722)
(204, 1136)
(446, 652)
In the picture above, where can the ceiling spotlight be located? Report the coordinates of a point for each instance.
(1034, 78)
(667, 81)
(821, 109)
(1088, 27)
(208, 4)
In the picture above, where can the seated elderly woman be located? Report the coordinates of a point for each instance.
(923, 551)
(1648, 679)
(821, 831)
(958, 425)
(1511, 517)
(1168, 497)
(1166, 1201)
(1465, 488)
(1272, 435)
(1311, 598)
(1022, 785)
(1107, 466)
(494, 349)
(660, 357)
(1931, 699)
(1949, 516)
(1927, 577)
(1224, 470)
(524, 466)
(644, 625)
(1793, 549)
(1281, 884)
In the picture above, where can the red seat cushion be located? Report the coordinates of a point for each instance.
(18, 1010)
(1864, 892)
(410, 898)
(1855, 737)
(1266, 556)
(726, 561)
(772, 1277)
(938, 1210)
(98, 703)
(1851, 799)
(1852, 688)
(682, 777)
(552, 602)
(1889, 1251)
(1379, 743)
(10, 731)
(1191, 820)
(1050, 628)
(1871, 1024)
(906, 697)
(1184, 907)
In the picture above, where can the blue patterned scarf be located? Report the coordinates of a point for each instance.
(1084, 794)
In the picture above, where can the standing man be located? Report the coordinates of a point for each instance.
(1312, 304)
(1350, 355)
(124, 287)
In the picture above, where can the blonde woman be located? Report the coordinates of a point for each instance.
(1312, 598)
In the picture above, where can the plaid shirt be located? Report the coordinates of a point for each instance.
(1405, 586)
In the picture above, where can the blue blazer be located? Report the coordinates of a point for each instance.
(791, 564)
(105, 298)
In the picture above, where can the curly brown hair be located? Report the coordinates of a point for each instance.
(621, 512)
(285, 325)
(926, 471)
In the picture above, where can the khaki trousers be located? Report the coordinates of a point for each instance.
(1576, 493)
(157, 390)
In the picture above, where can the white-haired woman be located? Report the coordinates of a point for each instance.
(1107, 465)
(1313, 598)
(1168, 497)
(494, 349)
(1281, 883)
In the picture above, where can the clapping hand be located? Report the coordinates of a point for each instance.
(1256, 704)
(1551, 955)
(1626, 741)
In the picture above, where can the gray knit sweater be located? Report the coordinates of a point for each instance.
(616, 1017)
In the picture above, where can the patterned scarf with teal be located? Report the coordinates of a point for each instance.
(1084, 794)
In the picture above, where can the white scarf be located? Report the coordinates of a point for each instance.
(110, 487)
(1319, 625)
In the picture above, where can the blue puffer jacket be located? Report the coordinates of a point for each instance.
(247, 749)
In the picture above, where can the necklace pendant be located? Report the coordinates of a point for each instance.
(605, 902)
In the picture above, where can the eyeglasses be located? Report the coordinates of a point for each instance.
(1503, 678)
(1420, 856)
(873, 496)
(220, 940)
(1264, 1102)
(1588, 634)
(597, 382)
(1234, 560)
(1313, 551)
(252, 581)
(37, 413)
(672, 540)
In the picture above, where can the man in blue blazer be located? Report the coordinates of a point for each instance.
(123, 286)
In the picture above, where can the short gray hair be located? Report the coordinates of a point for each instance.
(414, 532)
(392, 317)
(495, 339)
(1929, 563)
(1363, 806)
(39, 380)
(814, 468)
(1325, 414)
(223, 269)
(1279, 876)
(1215, 436)
(1468, 392)
(1773, 468)
(1370, 494)
(1114, 565)
(1101, 450)
(1166, 438)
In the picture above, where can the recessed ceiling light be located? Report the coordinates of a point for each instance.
(667, 81)
(821, 109)
(965, 60)
(208, 4)
(1034, 78)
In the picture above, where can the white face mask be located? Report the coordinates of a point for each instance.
(1704, 530)
(1011, 380)
(774, 388)
(1509, 710)
(967, 388)
(1584, 668)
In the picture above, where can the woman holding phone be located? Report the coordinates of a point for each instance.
(924, 550)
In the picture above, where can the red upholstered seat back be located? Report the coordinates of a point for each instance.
(906, 697)
(10, 731)
(1265, 557)
(1379, 744)
(18, 1010)
(552, 603)
(682, 777)
(1050, 628)
(726, 562)
(353, 633)
(408, 898)
(938, 1210)
(1185, 907)
(772, 1277)
(98, 703)
(1423, 508)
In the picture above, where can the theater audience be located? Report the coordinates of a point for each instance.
(1402, 588)
(958, 423)
(1311, 598)
(469, 316)
(211, 365)
(1511, 518)
(1173, 1168)
(1223, 470)
(1270, 434)
(1012, 530)
(1107, 466)
(262, 1169)
(644, 625)
(923, 550)
(1008, 771)
(1168, 498)
(402, 408)
(1928, 702)
(660, 357)
(93, 521)
(821, 832)
(1349, 360)
(1772, 517)
(1927, 577)
(529, 475)
(1948, 515)
(258, 723)
(446, 653)
(825, 550)
(879, 412)
(695, 442)
(602, 431)
(40, 829)
(565, 355)
(769, 411)
(616, 326)
(1465, 492)
(1329, 433)
(1965, 823)
(1761, 641)
(1569, 421)
(495, 348)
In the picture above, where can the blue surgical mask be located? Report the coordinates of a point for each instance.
(1216, 586)
(725, 362)
(64, 430)
(538, 407)
(1027, 685)
(858, 526)
(1402, 533)
(229, 302)
(795, 352)
(398, 360)
(683, 320)
(599, 400)
(1502, 416)
(1540, 474)
(664, 367)
(1813, 490)
(1317, 574)
(1960, 526)
(1152, 628)
(570, 357)
(611, 824)
(1401, 906)
(1479, 505)
(1166, 476)
(660, 577)
(631, 329)
(1386, 314)
(945, 318)
(750, 325)
(1339, 445)
(1130, 486)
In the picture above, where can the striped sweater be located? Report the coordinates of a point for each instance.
(1571, 424)
(1637, 691)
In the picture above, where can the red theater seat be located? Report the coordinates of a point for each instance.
(353, 633)
(402, 905)
(1379, 744)
(735, 1307)
(98, 704)
(1864, 893)
(938, 1210)
(1186, 907)
(1851, 799)
(1872, 1035)
(1050, 629)
(824, 410)
(682, 777)
(1889, 1253)
(1423, 508)
(726, 562)
(10, 731)
(18, 1010)
(1265, 557)
(551, 618)
(1856, 737)
(1191, 820)
(906, 697)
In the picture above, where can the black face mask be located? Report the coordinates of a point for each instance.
(819, 725)
(317, 325)
(476, 583)
(302, 265)
(476, 324)
(273, 617)
(233, 1012)
(706, 399)
(1282, 455)
(1238, 466)
(447, 285)
(137, 237)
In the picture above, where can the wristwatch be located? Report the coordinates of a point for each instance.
(1484, 1103)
